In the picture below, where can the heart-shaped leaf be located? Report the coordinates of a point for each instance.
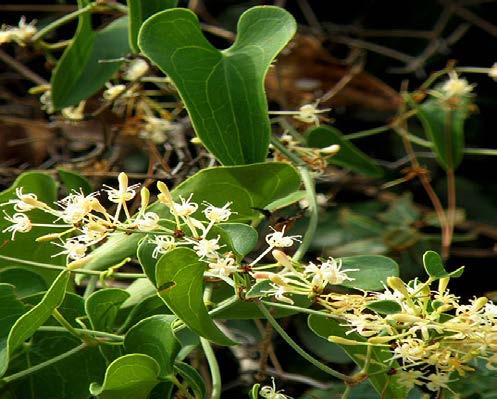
(223, 91)
(154, 336)
(128, 377)
(26, 282)
(192, 378)
(434, 266)
(139, 11)
(179, 278)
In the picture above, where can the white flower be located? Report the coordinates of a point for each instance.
(277, 239)
(136, 69)
(73, 248)
(112, 92)
(185, 208)
(455, 86)
(163, 244)
(437, 381)
(21, 34)
(280, 292)
(409, 379)
(75, 207)
(74, 113)
(46, 102)
(223, 266)
(270, 392)
(217, 215)
(148, 221)
(330, 272)
(308, 113)
(93, 232)
(125, 193)
(493, 72)
(20, 223)
(156, 129)
(205, 248)
(24, 202)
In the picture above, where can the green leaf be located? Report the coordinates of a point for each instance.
(67, 378)
(180, 284)
(154, 336)
(434, 267)
(44, 187)
(25, 281)
(29, 322)
(243, 238)
(385, 307)
(444, 127)
(223, 91)
(147, 261)
(192, 378)
(102, 307)
(349, 157)
(139, 11)
(128, 377)
(11, 308)
(373, 271)
(74, 181)
(80, 73)
(259, 289)
(248, 187)
(379, 366)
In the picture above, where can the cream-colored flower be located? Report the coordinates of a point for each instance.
(184, 209)
(456, 86)
(277, 239)
(148, 221)
(20, 224)
(162, 244)
(223, 266)
(205, 248)
(136, 69)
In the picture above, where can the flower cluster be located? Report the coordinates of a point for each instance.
(431, 335)
(20, 34)
(85, 222)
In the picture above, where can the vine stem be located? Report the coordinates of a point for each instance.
(267, 314)
(78, 271)
(311, 197)
(40, 366)
(214, 368)
(313, 209)
(346, 393)
(93, 333)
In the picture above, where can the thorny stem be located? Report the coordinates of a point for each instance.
(267, 314)
(40, 366)
(78, 271)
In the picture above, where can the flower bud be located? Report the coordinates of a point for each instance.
(330, 150)
(145, 197)
(165, 195)
(380, 340)
(48, 237)
(342, 341)
(78, 263)
(282, 258)
(397, 284)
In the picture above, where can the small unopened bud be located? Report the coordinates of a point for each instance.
(442, 284)
(479, 303)
(397, 284)
(97, 206)
(32, 202)
(123, 181)
(403, 318)
(144, 197)
(282, 258)
(380, 340)
(342, 341)
(330, 150)
(165, 195)
(78, 263)
(278, 280)
(262, 275)
(196, 140)
(48, 237)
